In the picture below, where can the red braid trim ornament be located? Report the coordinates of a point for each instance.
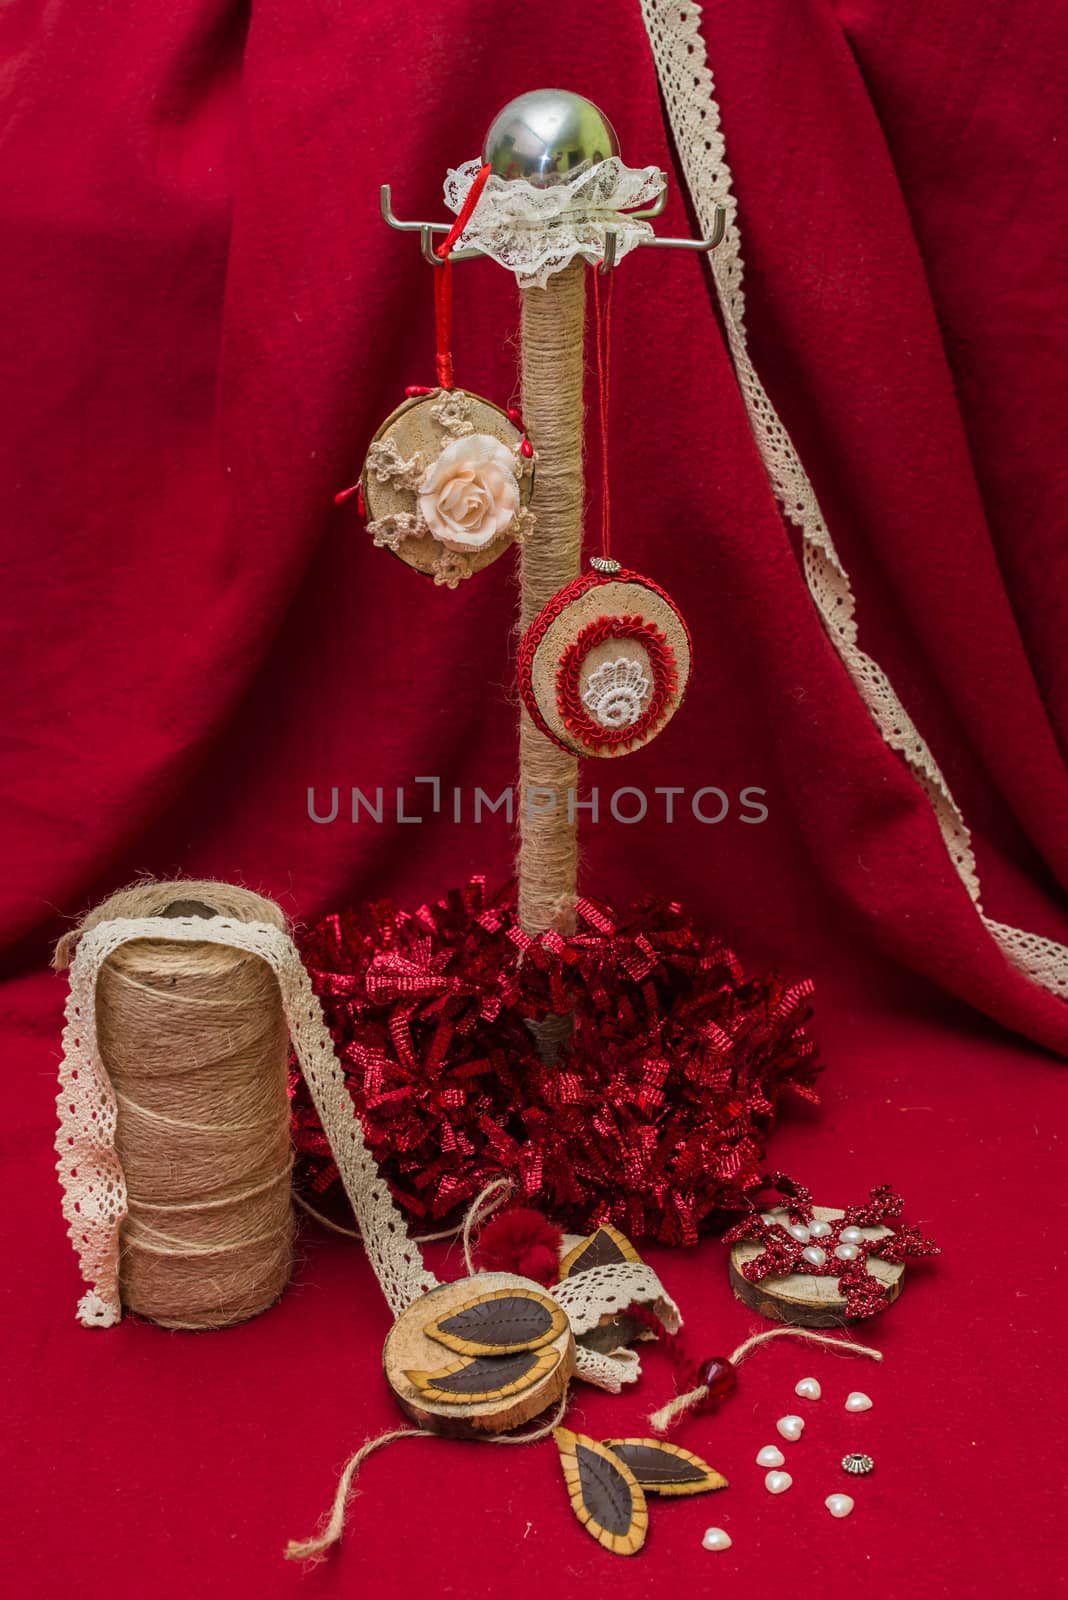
(603, 668)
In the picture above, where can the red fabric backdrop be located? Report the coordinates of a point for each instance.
(204, 322)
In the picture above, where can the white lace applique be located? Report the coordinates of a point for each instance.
(614, 693)
(535, 232)
(385, 462)
(524, 525)
(391, 530)
(452, 412)
(451, 568)
(674, 29)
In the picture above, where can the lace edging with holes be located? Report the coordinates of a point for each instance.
(94, 1189)
(535, 232)
(674, 29)
(610, 1289)
(608, 1371)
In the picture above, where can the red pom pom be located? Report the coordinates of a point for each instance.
(521, 1241)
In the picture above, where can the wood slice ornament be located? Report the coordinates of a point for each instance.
(604, 667)
(446, 484)
(483, 1355)
(801, 1299)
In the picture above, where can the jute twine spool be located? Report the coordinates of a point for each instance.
(195, 1043)
(553, 322)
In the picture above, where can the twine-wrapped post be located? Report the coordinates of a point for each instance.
(552, 195)
(553, 321)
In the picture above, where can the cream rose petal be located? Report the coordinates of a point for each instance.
(469, 495)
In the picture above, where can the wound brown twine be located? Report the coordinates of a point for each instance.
(553, 325)
(195, 1043)
(553, 321)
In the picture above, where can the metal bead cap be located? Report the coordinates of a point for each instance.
(858, 1464)
(605, 564)
(545, 134)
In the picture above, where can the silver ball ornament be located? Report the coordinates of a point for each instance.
(547, 133)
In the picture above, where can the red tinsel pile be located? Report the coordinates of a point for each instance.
(655, 1116)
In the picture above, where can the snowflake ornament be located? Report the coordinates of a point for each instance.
(794, 1241)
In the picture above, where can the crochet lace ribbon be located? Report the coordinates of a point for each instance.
(94, 1187)
(589, 1296)
(674, 29)
(536, 232)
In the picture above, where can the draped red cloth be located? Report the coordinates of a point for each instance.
(204, 322)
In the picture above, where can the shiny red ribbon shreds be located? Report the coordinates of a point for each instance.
(655, 1117)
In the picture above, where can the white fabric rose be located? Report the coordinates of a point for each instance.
(470, 494)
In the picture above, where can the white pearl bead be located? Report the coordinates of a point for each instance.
(770, 1456)
(798, 1231)
(777, 1482)
(857, 1401)
(814, 1254)
(768, 1217)
(851, 1236)
(793, 1427)
(846, 1252)
(819, 1230)
(716, 1539)
(808, 1388)
(839, 1505)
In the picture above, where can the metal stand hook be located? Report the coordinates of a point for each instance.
(427, 230)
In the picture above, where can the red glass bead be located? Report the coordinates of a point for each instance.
(718, 1377)
(515, 416)
(527, 448)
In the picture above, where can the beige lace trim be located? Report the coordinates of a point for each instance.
(674, 29)
(609, 1290)
(94, 1189)
(537, 231)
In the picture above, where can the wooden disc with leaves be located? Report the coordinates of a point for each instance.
(483, 1355)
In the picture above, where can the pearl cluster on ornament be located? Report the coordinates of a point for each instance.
(790, 1427)
(847, 1249)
